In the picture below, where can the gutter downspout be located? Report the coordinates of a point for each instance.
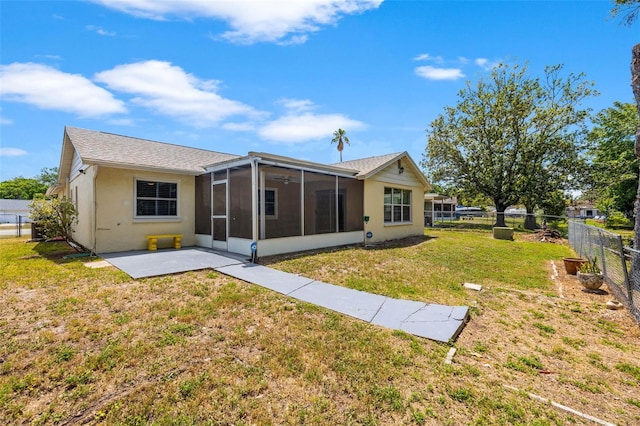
(94, 209)
(254, 201)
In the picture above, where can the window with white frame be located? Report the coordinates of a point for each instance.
(156, 199)
(397, 205)
(270, 203)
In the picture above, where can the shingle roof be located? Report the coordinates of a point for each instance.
(124, 151)
(102, 148)
(367, 167)
(369, 164)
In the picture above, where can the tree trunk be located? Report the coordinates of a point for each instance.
(635, 86)
(530, 220)
(500, 208)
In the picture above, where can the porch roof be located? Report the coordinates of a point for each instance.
(439, 197)
(279, 160)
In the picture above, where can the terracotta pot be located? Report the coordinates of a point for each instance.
(590, 281)
(573, 264)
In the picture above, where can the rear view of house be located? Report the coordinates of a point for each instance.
(127, 188)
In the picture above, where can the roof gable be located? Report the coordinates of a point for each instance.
(370, 166)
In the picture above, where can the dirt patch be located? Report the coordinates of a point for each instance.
(544, 236)
(569, 288)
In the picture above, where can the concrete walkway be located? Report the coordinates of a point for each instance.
(436, 322)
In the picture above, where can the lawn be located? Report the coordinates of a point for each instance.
(83, 345)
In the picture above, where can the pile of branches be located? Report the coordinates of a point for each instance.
(548, 236)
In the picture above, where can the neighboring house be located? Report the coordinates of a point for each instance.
(515, 211)
(14, 211)
(438, 207)
(582, 211)
(126, 188)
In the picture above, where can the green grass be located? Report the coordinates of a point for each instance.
(625, 233)
(487, 223)
(81, 345)
(436, 269)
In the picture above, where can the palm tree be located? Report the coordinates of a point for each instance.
(340, 137)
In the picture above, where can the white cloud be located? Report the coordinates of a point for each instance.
(250, 20)
(239, 127)
(169, 90)
(486, 64)
(5, 121)
(300, 125)
(427, 57)
(52, 57)
(12, 152)
(433, 73)
(101, 31)
(48, 88)
(297, 104)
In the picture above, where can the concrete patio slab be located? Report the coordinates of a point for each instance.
(432, 321)
(141, 264)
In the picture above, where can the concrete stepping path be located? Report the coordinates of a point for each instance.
(432, 321)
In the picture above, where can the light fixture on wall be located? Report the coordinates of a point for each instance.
(400, 168)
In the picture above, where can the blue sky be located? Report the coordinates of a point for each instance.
(277, 76)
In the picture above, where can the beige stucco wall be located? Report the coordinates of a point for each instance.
(374, 204)
(116, 227)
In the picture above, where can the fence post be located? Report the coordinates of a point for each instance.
(624, 269)
(604, 262)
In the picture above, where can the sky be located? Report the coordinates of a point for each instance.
(278, 76)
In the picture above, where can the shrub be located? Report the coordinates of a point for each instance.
(617, 219)
(56, 217)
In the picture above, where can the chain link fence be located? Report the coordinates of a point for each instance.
(12, 225)
(614, 260)
(482, 220)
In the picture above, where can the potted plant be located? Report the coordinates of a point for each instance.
(572, 264)
(589, 274)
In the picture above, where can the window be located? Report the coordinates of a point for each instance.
(397, 205)
(270, 203)
(156, 199)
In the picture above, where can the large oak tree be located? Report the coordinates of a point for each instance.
(613, 175)
(511, 137)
